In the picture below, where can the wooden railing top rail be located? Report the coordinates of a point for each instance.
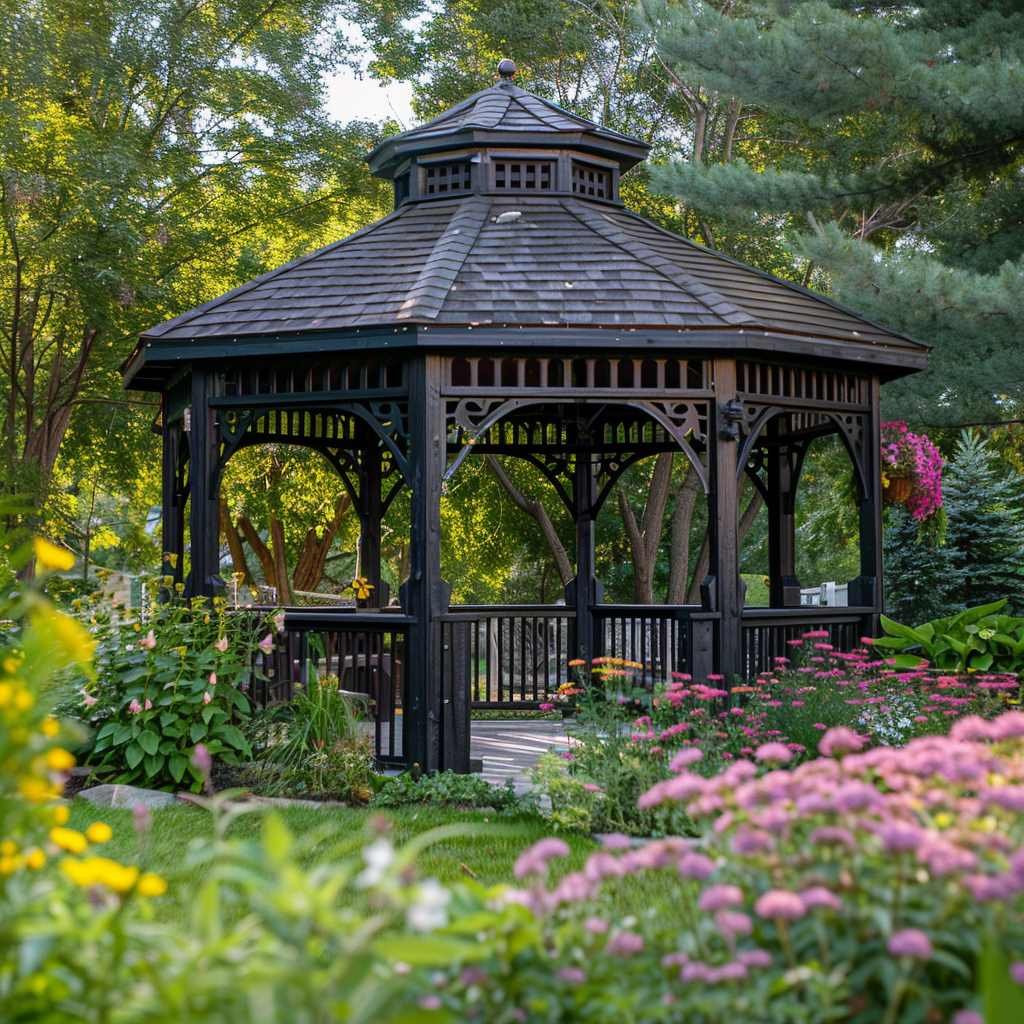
(807, 614)
(513, 609)
(648, 610)
(322, 618)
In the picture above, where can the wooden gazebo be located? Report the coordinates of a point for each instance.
(512, 305)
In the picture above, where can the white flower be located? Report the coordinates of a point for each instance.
(430, 908)
(379, 856)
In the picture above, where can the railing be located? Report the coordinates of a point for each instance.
(365, 650)
(654, 636)
(517, 654)
(767, 632)
(828, 595)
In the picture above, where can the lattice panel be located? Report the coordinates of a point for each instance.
(297, 378)
(588, 180)
(524, 175)
(440, 179)
(818, 385)
(474, 374)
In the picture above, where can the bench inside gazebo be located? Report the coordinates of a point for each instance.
(512, 305)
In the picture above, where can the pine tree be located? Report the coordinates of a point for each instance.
(900, 129)
(921, 579)
(985, 504)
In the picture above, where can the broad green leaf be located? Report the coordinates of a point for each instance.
(133, 754)
(149, 741)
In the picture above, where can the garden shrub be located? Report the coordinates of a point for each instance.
(979, 639)
(449, 789)
(163, 686)
(314, 746)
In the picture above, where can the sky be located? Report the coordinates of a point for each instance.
(349, 97)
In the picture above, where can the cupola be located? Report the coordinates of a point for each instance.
(506, 141)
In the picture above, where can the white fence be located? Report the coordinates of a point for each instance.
(828, 595)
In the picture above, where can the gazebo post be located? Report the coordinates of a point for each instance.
(370, 511)
(204, 527)
(172, 499)
(582, 592)
(784, 587)
(866, 589)
(425, 594)
(725, 592)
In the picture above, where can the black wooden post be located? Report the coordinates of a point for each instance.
(866, 589)
(425, 595)
(783, 585)
(204, 526)
(369, 511)
(582, 592)
(173, 500)
(724, 587)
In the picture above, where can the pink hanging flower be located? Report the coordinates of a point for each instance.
(212, 679)
(207, 696)
(148, 706)
(88, 700)
(148, 642)
(279, 622)
(266, 645)
(222, 644)
(134, 707)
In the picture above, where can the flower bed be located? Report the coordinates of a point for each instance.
(626, 737)
(865, 885)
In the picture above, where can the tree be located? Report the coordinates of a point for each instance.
(901, 130)
(142, 150)
(922, 581)
(985, 508)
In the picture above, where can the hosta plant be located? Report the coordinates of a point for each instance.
(979, 639)
(165, 685)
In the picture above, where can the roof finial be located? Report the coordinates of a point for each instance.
(507, 69)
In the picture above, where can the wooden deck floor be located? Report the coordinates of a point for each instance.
(509, 750)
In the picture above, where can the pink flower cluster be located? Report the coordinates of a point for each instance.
(789, 855)
(914, 454)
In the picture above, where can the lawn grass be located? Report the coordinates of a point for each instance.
(487, 856)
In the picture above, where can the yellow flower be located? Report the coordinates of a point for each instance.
(8, 848)
(37, 791)
(99, 832)
(35, 859)
(23, 700)
(8, 865)
(152, 885)
(6, 693)
(66, 636)
(11, 664)
(59, 760)
(68, 839)
(50, 557)
(51, 727)
(103, 871)
(61, 814)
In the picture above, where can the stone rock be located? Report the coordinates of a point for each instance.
(126, 796)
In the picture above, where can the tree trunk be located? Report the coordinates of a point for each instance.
(536, 510)
(704, 558)
(277, 547)
(645, 537)
(235, 546)
(262, 551)
(309, 569)
(682, 520)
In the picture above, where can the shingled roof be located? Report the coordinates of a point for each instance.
(546, 259)
(504, 112)
(560, 262)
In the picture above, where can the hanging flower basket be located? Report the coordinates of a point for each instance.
(911, 471)
(898, 489)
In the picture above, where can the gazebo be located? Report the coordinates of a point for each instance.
(512, 305)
